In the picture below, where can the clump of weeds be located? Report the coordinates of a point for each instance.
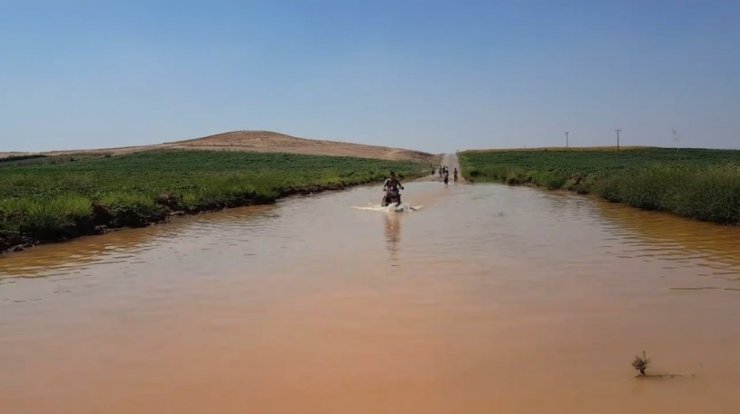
(641, 363)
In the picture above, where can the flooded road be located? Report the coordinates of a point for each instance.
(488, 299)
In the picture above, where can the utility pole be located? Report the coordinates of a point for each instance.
(617, 131)
(675, 138)
(566, 138)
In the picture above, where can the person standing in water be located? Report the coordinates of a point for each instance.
(454, 175)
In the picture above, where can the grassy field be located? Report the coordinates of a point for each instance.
(52, 198)
(698, 183)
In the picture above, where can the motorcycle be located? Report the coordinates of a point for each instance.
(391, 196)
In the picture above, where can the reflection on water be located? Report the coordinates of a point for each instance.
(650, 234)
(122, 246)
(508, 300)
(393, 233)
(65, 257)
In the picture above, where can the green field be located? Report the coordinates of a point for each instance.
(698, 183)
(52, 198)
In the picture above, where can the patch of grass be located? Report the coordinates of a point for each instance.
(58, 197)
(698, 183)
(52, 218)
(130, 209)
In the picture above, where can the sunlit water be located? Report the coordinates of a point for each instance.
(488, 299)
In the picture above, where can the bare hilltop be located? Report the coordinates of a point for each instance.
(264, 141)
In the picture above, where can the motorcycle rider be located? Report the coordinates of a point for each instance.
(391, 186)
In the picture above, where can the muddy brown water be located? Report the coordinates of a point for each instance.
(488, 299)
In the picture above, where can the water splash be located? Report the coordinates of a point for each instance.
(402, 208)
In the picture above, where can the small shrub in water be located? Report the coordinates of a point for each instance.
(640, 363)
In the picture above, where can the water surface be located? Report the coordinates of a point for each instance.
(488, 299)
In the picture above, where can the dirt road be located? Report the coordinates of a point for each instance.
(452, 162)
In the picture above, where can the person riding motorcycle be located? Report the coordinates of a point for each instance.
(391, 186)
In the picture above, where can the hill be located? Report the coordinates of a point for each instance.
(267, 141)
(263, 141)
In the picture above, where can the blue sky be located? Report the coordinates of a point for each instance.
(430, 75)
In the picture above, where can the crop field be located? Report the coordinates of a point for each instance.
(698, 183)
(52, 198)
